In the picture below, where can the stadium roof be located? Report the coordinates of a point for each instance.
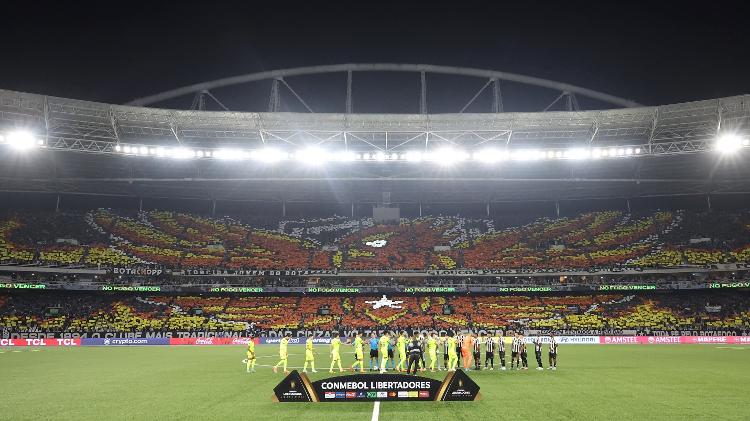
(97, 148)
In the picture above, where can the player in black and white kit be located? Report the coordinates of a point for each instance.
(524, 354)
(501, 351)
(489, 352)
(515, 352)
(477, 351)
(552, 353)
(538, 352)
(459, 344)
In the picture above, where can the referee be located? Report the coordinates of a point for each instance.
(391, 344)
(415, 354)
(489, 352)
(477, 351)
(538, 352)
(373, 350)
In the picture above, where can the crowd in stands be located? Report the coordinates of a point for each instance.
(594, 240)
(117, 312)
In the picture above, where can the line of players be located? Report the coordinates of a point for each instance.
(462, 349)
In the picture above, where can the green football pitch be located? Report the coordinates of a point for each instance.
(685, 382)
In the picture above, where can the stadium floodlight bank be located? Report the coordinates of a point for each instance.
(29, 121)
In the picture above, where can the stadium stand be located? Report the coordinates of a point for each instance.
(607, 239)
(115, 312)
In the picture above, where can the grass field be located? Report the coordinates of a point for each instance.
(685, 382)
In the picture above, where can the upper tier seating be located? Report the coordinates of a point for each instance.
(599, 240)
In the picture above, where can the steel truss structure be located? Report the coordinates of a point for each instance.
(492, 78)
(672, 140)
(85, 126)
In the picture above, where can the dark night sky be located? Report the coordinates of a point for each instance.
(651, 52)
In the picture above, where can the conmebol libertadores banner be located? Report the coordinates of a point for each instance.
(296, 387)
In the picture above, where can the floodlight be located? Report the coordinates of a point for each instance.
(629, 151)
(143, 150)
(269, 155)
(489, 156)
(126, 149)
(578, 153)
(346, 156)
(728, 143)
(312, 156)
(230, 154)
(181, 153)
(637, 151)
(447, 156)
(527, 154)
(118, 148)
(379, 156)
(161, 152)
(21, 140)
(596, 153)
(414, 156)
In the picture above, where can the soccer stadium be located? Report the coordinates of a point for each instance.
(176, 258)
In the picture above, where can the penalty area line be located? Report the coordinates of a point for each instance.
(375, 411)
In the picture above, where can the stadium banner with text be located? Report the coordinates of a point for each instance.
(296, 387)
(213, 340)
(368, 290)
(324, 336)
(648, 340)
(296, 340)
(573, 340)
(725, 285)
(39, 342)
(244, 340)
(253, 272)
(22, 286)
(123, 341)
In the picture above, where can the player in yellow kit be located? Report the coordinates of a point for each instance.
(251, 354)
(359, 356)
(432, 350)
(401, 346)
(452, 356)
(283, 354)
(383, 345)
(335, 352)
(309, 355)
